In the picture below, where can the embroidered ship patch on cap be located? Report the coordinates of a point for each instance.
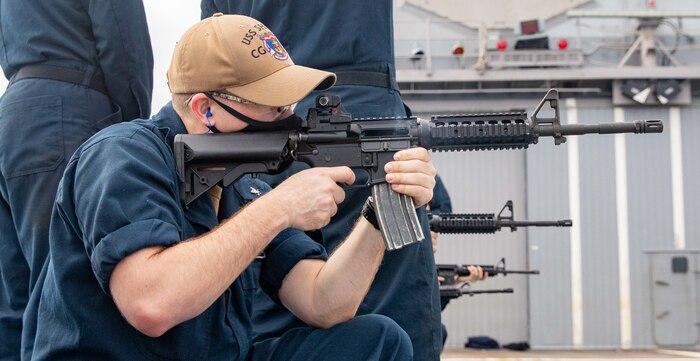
(273, 46)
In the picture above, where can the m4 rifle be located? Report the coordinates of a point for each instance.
(486, 222)
(451, 272)
(330, 137)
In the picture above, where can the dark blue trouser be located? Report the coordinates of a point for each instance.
(367, 337)
(444, 334)
(41, 123)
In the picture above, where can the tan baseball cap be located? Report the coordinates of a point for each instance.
(241, 56)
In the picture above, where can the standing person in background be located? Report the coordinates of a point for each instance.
(74, 68)
(355, 40)
(441, 203)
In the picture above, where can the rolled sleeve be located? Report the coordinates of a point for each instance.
(114, 247)
(127, 206)
(284, 252)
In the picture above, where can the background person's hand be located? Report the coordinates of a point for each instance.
(434, 238)
(476, 274)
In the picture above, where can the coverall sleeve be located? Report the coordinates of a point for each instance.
(209, 8)
(282, 254)
(441, 202)
(124, 53)
(125, 206)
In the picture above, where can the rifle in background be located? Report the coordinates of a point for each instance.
(452, 271)
(451, 292)
(486, 222)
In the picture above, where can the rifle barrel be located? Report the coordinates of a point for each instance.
(455, 292)
(558, 223)
(637, 127)
(473, 292)
(507, 271)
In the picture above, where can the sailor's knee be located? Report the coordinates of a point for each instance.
(391, 338)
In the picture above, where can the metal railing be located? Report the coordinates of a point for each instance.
(494, 60)
(534, 58)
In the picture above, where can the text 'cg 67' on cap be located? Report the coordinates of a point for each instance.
(241, 56)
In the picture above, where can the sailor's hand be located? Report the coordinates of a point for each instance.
(412, 173)
(476, 273)
(311, 197)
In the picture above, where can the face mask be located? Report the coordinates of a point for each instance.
(292, 122)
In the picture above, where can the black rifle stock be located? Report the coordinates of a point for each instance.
(330, 137)
(486, 222)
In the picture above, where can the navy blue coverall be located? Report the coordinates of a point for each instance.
(104, 214)
(441, 203)
(342, 37)
(101, 50)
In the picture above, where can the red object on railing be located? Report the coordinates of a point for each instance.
(563, 44)
(501, 44)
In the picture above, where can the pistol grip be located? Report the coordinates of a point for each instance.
(397, 217)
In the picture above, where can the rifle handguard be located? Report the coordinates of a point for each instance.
(464, 223)
(397, 217)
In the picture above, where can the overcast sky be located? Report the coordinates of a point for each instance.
(167, 20)
(166, 25)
